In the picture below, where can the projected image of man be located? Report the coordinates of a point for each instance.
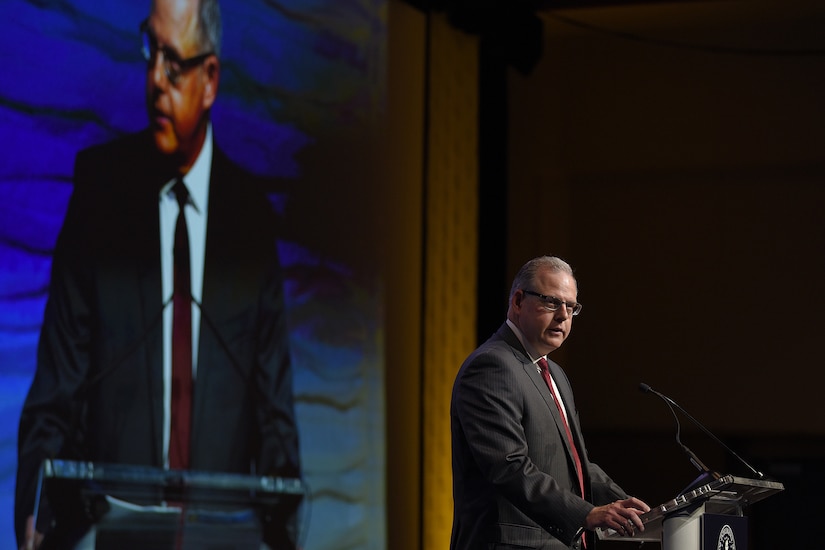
(164, 339)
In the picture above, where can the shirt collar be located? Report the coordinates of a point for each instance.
(197, 179)
(531, 353)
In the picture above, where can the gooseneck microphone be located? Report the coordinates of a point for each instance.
(691, 455)
(693, 458)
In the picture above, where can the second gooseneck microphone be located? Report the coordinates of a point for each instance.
(693, 458)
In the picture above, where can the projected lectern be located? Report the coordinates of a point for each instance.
(125, 507)
(710, 517)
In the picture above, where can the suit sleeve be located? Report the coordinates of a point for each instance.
(52, 415)
(490, 407)
(603, 489)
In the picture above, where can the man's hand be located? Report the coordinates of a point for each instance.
(622, 516)
(33, 539)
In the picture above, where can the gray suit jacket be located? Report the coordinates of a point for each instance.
(514, 480)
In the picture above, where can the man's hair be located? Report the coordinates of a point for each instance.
(527, 274)
(209, 26)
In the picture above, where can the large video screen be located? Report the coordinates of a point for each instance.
(300, 99)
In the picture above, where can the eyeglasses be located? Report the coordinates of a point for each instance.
(551, 303)
(173, 65)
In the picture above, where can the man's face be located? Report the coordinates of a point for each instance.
(545, 330)
(178, 110)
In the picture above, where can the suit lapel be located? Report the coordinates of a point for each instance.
(541, 385)
(532, 372)
(217, 260)
(142, 178)
(149, 285)
(567, 397)
(151, 313)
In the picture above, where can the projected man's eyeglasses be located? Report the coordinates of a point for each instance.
(173, 65)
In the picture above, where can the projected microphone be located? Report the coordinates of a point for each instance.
(270, 410)
(219, 338)
(696, 462)
(299, 484)
(129, 351)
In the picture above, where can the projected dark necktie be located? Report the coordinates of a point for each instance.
(545, 373)
(181, 339)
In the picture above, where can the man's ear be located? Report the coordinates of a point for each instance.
(518, 297)
(212, 75)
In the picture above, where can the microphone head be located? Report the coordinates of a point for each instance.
(644, 387)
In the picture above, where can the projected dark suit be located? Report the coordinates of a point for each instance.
(97, 392)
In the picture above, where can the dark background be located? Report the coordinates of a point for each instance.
(675, 155)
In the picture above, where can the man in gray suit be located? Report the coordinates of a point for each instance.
(521, 475)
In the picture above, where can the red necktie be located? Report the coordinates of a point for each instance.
(545, 373)
(181, 339)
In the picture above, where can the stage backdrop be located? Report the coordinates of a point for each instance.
(301, 94)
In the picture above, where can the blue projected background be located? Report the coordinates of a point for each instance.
(302, 86)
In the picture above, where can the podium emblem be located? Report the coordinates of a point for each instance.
(726, 539)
